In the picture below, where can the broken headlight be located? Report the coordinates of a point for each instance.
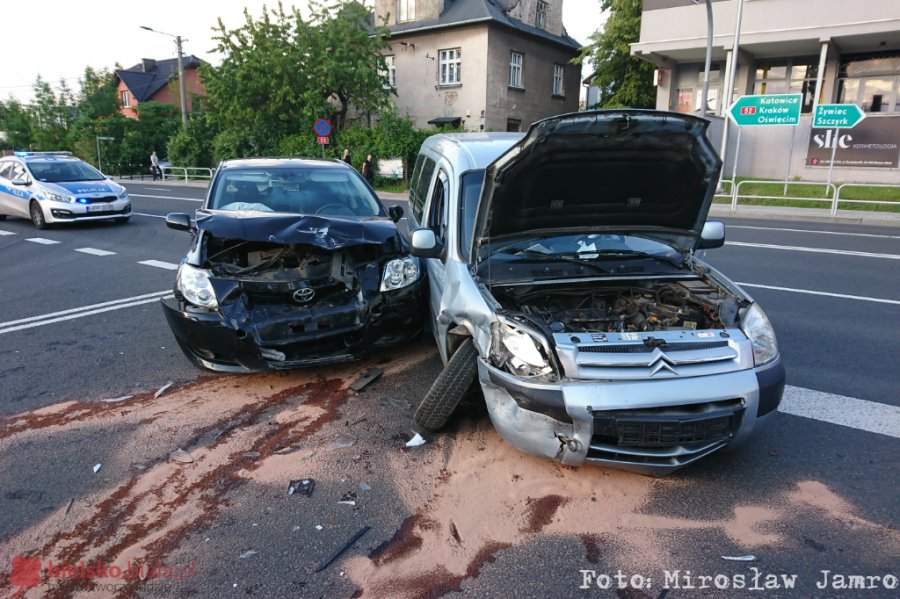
(519, 351)
(759, 330)
(194, 285)
(400, 273)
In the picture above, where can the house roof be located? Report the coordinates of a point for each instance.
(148, 77)
(464, 12)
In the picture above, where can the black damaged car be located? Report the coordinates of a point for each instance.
(294, 263)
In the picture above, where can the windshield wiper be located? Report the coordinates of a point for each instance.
(545, 257)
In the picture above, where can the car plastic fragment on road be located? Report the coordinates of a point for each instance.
(117, 399)
(416, 440)
(303, 486)
(366, 378)
(180, 455)
(344, 547)
(97, 468)
(162, 390)
(739, 558)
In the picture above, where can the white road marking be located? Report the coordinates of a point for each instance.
(159, 264)
(95, 252)
(42, 319)
(862, 298)
(795, 248)
(158, 189)
(137, 195)
(41, 240)
(2, 233)
(870, 416)
(813, 231)
(150, 215)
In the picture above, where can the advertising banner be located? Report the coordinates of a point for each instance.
(873, 143)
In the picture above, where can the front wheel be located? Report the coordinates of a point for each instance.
(2, 217)
(37, 216)
(448, 389)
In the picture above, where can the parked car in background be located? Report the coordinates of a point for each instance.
(56, 187)
(293, 263)
(565, 276)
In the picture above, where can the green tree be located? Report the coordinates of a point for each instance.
(623, 80)
(52, 113)
(193, 145)
(18, 125)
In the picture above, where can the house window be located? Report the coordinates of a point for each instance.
(406, 10)
(796, 76)
(450, 63)
(515, 69)
(558, 71)
(390, 76)
(513, 125)
(126, 99)
(540, 19)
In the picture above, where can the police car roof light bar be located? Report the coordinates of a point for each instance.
(29, 154)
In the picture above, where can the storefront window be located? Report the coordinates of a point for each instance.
(872, 82)
(795, 76)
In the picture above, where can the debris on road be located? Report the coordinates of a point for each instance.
(319, 527)
(162, 390)
(97, 468)
(342, 442)
(739, 558)
(117, 399)
(247, 554)
(251, 454)
(366, 378)
(416, 441)
(71, 503)
(365, 486)
(180, 455)
(348, 498)
(303, 486)
(344, 547)
(401, 404)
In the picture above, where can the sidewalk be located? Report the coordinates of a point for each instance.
(171, 181)
(884, 219)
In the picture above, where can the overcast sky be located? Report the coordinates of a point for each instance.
(57, 39)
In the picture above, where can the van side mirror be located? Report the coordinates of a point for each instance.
(424, 244)
(712, 236)
(396, 213)
(178, 221)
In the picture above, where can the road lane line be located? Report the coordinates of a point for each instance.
(814, 231)
(158, 189)
(95, 252)
(879, 300)
(138, 195)
(870, 416)
(2, 233)
(41, 240)
(155, 294)
(40, 323)
(796, 248)
(159, 264)
(150, 215)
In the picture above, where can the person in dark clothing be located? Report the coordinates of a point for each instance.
(367, 170)
(346, 157)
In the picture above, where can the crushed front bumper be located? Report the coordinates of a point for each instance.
(652, 427)
(237, 338)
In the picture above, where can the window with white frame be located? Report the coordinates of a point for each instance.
(390, 75)
(516, 59)
(406, 10)
(126, 99)
(449, 65)
(558, 71)
(540, 18)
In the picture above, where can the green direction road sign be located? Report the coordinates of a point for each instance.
(772, 109)
(837, 116)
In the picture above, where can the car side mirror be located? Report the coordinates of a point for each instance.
(424, 244)
(712, 236)
(396, 213)
(178, 221)
(21, 181)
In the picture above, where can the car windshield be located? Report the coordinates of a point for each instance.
(592, 247)
(49, 171)
(321, 190)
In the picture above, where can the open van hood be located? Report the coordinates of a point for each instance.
(640, 172)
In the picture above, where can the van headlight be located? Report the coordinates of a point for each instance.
(518, 350)
(756, 326)
(194, 285)
(399, 273)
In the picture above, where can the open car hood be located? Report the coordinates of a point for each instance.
(642, 172)
(325, 232)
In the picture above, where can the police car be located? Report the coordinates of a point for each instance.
(56, 187)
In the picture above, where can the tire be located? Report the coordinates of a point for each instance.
(454, 382)
(2, 217)
(123, 220)
(37, 216)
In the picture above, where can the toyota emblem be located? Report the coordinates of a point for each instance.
(301, 296)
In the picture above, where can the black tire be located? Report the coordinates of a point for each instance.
(2, 217)
(37, 216)
(454, 382)
(123, 220)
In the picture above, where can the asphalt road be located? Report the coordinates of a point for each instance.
(805, 496)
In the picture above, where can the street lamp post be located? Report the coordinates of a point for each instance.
(180, 71)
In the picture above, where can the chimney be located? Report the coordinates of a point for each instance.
(147, 64)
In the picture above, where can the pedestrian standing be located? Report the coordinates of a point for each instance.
(346, 157)
(154, 166)
(367, 172)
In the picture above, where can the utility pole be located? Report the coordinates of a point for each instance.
(181, 84)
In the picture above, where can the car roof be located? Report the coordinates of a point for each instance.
(274, 161)
(471, 150)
